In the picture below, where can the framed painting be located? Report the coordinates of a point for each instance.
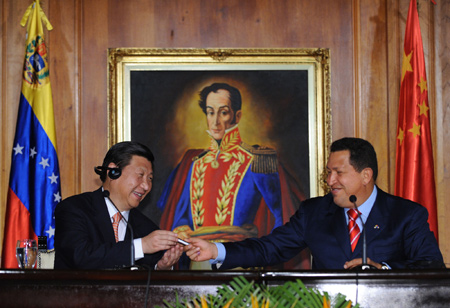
(154, 93)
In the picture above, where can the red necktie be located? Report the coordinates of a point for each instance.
(116, 219)
(353, 228)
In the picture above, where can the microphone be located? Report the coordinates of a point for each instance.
(364, 265)
(106, 195)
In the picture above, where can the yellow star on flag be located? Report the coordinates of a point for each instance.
(423, 109)
(415, 130)
(401, 135)
(423, 85)
(406, 66)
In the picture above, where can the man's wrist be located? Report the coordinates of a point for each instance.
(215, 252)
(160, 269)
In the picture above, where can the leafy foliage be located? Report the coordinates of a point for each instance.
(242, 293)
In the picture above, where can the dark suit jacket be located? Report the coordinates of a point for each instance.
(84, 236)
(397, 233)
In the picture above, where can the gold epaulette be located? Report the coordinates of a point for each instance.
(264, 159)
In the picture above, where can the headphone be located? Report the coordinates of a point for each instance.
(113, 174)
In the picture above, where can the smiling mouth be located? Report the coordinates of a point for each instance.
(335, 190)
(140, 195)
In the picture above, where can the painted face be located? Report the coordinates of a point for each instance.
(133, 185)
(345, 181)
(219, 114)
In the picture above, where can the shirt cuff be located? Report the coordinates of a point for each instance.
(221, 254)
(138, 252)
(385, 266)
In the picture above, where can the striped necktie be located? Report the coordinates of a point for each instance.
(116, 219)
(353, 228)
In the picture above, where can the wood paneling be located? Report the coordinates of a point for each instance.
(63, 42)
(441, 93)
(365, 40)
(371, 107)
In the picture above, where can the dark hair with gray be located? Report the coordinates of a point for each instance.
(121, 154)
(362, 153)
(235, 95)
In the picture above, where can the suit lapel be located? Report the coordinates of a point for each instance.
(340, 230)
(102, 216)
(131, 224)
(378, 217)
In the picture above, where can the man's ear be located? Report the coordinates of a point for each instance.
(367, 175)
(112, 165)
(238, 116)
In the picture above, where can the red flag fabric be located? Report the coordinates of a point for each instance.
(414, 173)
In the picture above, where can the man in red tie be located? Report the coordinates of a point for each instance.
(396, 230)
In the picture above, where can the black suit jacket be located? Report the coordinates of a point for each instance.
(397, 232)
(84, 236)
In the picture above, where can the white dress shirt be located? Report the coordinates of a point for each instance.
(138, 252)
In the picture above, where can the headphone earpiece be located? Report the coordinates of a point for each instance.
(113, 174)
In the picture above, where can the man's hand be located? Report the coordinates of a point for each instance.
(358, 262)
(169, 258)
(200, 250)
(159, 240)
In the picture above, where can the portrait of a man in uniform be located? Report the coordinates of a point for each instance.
(229, 190)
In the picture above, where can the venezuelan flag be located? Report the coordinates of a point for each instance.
(34, 185)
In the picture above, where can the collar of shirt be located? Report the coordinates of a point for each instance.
(365, 208)
(112, 211)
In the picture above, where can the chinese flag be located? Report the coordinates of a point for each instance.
(414, 172)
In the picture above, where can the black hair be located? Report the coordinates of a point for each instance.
(121, 154)
(235, 95)
(362, 153)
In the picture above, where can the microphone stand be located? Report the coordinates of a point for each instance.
(364, 265)
(133, 267)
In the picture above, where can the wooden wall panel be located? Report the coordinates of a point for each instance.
(93, 105)
(64, 77)
(365, 40)
(394, 63)
(372, 105)
(441, 31)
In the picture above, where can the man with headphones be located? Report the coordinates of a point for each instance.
(103, 229)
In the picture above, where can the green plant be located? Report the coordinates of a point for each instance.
(242, 293)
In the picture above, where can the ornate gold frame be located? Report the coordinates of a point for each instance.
(121, 61)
